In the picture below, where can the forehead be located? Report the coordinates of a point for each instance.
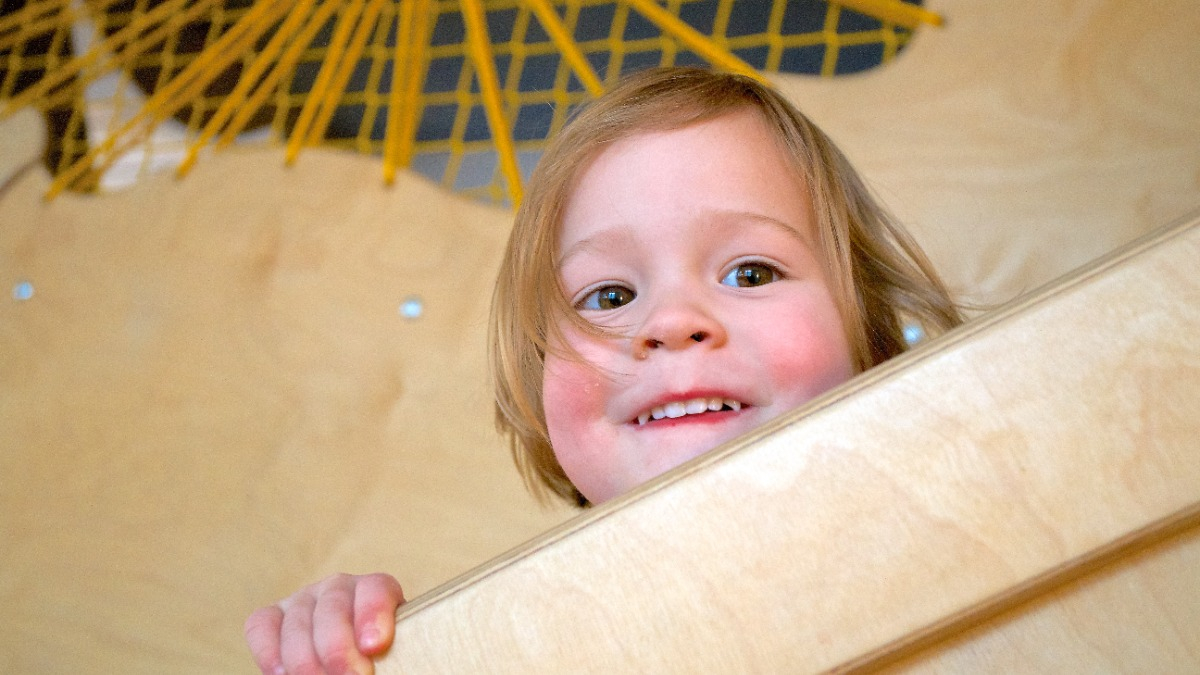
(699, 173)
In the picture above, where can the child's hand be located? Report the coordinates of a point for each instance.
(333, 626)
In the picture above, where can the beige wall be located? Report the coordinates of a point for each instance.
(211, 398)
(1026, 138)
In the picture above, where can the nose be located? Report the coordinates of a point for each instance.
(678, 325)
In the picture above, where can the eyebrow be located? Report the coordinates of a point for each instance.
(606, 238)
(735, 217)
(618, 235)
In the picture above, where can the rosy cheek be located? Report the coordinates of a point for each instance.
(573, 389)
(817, 363)
(830, 369)
(573, 399)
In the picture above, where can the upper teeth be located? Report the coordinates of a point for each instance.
(693, 406)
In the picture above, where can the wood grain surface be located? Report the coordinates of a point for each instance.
(212, 399)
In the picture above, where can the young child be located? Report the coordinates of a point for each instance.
(693, 258)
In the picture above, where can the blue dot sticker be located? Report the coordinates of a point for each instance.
(22, 291)
(412, 308)
(913, 333)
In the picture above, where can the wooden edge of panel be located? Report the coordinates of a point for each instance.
(1185, 520)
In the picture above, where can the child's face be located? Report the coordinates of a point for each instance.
(697, 247)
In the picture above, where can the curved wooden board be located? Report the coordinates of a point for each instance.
(997, 463)
(1137, 613)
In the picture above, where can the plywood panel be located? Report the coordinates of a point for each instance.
(21, 140)
(1001, 460)
(212, 399)
(1138, 614)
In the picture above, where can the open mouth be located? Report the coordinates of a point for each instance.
(695, 406)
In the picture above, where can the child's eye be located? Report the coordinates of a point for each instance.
(608, 297)
(750, 274)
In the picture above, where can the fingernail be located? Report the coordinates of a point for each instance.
(370, 637)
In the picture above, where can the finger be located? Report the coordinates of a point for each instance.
(262, 636)
(296, 635)
(375, 601)
(333, 627)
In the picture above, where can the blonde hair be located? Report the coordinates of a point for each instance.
(879, 276)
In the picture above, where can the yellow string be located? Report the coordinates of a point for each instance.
(774, 27)
(693, 39)
(28, 21)
(30, 13)
(286, 63)
(894, 11)
(198, 76)
(341, 78)
(126, 45)
(252, 76)
(616, 43)
(413, 79)
(566, 45)
(145, 38)
(37, 27)
(489, 87)
(832, 43)
(209, 64)
(463, 106)
(721, 20)
(316, 96)
(128, 56)
(396, 110)
(112, 47)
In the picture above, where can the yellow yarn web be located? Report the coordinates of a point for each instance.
(462, 91)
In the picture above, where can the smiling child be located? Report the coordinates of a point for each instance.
(692, 259)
